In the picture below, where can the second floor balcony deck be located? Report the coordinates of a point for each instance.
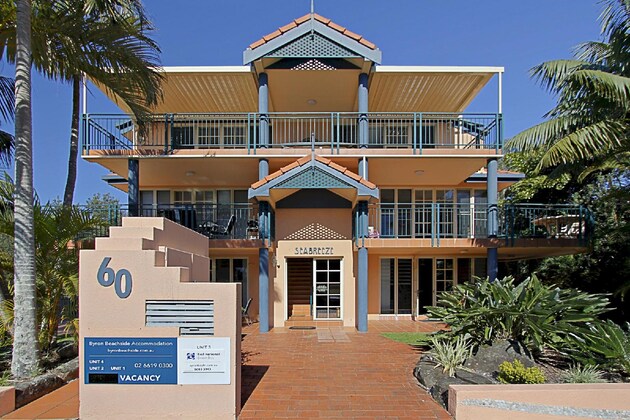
(436, 223)
(333, 131)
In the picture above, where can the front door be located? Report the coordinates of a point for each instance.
(396, 286)
(327, 288)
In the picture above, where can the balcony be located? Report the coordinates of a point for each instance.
(210, 220)
(329, 131)
(439, 221)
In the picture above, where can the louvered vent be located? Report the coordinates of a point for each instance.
(193, 317)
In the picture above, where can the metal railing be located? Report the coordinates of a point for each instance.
(333, 130)
(436, 221)
(211, 220)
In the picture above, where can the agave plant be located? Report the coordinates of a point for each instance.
(532, 313)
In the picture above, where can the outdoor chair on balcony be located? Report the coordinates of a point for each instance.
(212, 229)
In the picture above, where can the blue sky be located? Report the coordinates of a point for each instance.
(514, 34)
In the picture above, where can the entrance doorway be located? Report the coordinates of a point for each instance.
(299, 288)
(314, 289)
(327, 289)
(396, 286)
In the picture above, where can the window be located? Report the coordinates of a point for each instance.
(425, 135)
(423, 213)
(444, 275)
(182, 137)
(182, 197)
(396, 136)
(208, 136)
(230, 270)
(234, 136)
(445, 213)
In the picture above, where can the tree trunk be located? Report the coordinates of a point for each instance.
(25, 353)
(71, 181)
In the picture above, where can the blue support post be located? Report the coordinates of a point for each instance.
(263, 254)
(363, 167)
(263, 109)
(133, 182)
(493, 217)
(362, 289)
(363, 110)
(263, 289)
(263, 168)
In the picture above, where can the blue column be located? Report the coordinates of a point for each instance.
(363, 110)
(263, 168)
(263, 109)
(363, 167)
(263, 254)
(263, 289)
(493, 217)
(133, 183)
(362, 289)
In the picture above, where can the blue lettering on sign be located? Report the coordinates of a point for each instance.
(134, 361)
(106, 276)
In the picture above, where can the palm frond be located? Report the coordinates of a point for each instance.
(551, 75)
(7, 98)
(615, 16)
(607, 163)
(544, 133)
(584, 143)
(606, 85)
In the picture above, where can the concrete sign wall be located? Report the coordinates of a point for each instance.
(158, 339)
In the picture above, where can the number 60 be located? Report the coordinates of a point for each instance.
(106, 276)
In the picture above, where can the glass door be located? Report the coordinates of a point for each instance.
(327, 288)
(396, 286)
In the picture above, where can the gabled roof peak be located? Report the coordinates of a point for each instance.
(306, 18)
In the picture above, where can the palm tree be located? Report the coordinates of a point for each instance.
(63, 47)
(25, 352)
(589, 124)
(107, 41)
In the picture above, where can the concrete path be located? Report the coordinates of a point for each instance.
(323, 373)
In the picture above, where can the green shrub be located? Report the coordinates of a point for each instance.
(531, 313)
(604, 343)
(450, 355)
(589, 374)
(516, 373)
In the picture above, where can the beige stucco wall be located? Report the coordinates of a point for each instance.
(554, 396)
(342, 249)
(142, 247)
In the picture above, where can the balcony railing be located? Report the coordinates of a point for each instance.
(437, 221)
(331, 131)
(210, 220)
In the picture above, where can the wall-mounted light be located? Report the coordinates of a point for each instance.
(190, 173)
(419, 172)
(311, 102)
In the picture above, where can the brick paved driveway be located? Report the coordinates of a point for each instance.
(334, 373)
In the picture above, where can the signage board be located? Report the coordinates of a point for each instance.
(314, 250)
(130, 361)
(203, 360)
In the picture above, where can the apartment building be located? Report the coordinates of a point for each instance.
(334, 188)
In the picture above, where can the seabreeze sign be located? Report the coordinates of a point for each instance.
(314, 250)
(130, 361)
